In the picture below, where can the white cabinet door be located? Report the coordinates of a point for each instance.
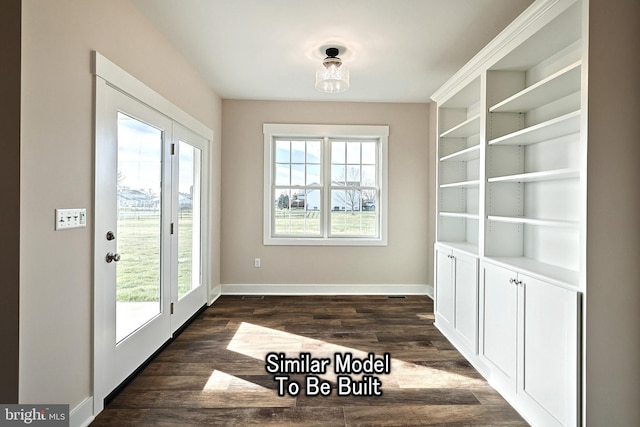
(466, 299)
(529, 336)
(444, 287)
(499, 318)
(550, 334)
(457, 298)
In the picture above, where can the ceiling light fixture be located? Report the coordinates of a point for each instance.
(332, 76)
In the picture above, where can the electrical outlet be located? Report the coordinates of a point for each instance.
(257, 263)
(71, 218)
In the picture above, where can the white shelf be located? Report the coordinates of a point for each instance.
(462, 184)
(555, 128)
(459, 215)
(471, 248)
(532, 267)
(463, 130)
(556, 86)
(538, 176)
(465, 155)
(533, 221)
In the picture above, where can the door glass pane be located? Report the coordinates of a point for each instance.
(188, 218)
(138, 225)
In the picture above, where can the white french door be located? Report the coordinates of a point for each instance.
(149, 233)
(188, 293)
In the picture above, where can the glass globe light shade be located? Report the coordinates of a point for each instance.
(332, 76)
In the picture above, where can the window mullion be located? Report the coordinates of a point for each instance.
(326, 184)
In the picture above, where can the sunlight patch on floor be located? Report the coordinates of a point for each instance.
(222, 381)
(426, 316)
(257, 341)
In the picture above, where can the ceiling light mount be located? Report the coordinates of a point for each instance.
(332, 52)
(332, 76)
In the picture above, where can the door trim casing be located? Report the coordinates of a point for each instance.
(115, 77)
(125, 82)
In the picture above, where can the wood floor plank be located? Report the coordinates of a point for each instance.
(432, 415)
(275, 417)
(201, 399)
(177, 369)
(214, 372)
(392, 397)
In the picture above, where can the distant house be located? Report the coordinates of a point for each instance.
(185, 202)
(129, 198)
(340, 201)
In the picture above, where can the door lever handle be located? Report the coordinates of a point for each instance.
(111, 257)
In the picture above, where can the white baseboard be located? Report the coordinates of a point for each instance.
(430, 292)
(297, 289)
(82, 415)
(214, 294)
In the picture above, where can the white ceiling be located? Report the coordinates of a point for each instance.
(397, 50)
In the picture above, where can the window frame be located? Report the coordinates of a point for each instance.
(326, 133)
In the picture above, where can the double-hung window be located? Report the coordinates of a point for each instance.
(325, 184)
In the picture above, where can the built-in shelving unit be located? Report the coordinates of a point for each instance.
(459, 149)
(533, 152)
(511, 161)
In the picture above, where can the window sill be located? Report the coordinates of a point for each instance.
(336, 241)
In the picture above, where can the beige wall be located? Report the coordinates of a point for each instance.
(613, 291)
(56, 162)
(405, 260)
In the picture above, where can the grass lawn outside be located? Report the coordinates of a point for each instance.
(138, 271)
(299, 222)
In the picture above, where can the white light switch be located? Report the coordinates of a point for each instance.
(71, 218)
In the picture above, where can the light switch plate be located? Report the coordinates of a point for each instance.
(71, 218)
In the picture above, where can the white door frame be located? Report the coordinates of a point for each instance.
(106, 72)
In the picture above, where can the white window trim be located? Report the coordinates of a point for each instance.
(272, 131)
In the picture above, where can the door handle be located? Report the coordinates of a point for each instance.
(111, 257)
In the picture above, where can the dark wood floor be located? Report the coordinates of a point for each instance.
(214, 372)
